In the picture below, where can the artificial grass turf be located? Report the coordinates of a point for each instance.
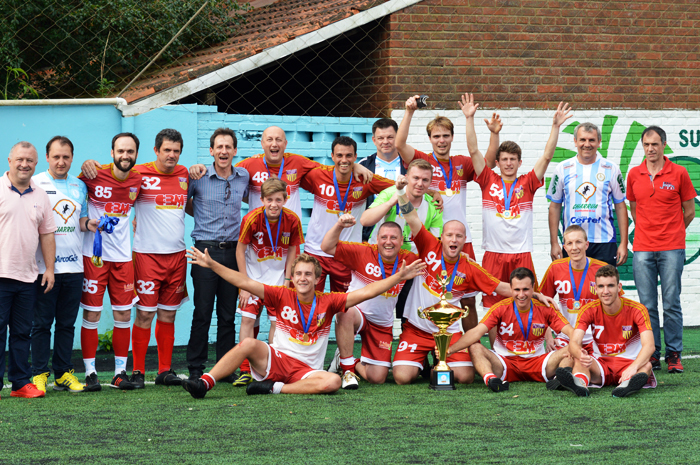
(387, 423)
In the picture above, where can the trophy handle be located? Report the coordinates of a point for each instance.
(421, 312)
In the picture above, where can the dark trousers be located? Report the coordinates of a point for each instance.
(60, 304)
(605, 252)
(16, 311)
(401, 300)
(208, 287)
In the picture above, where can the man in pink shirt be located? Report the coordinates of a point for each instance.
(25, 221)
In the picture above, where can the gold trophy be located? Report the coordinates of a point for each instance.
(442, 315)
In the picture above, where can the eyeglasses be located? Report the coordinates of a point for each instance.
(228, 190)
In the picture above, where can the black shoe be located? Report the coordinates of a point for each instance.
(168, 378)
(195, 374)
(498, 385)
(655, 363)
(425, 371)
(554, 384)
(121, 381)
(138, 380)
(228, 379)
(632, 385)
(92, 384)
(259, 387)
(572, 383)
(195, 387)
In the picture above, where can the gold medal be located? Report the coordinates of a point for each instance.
(448, 295)
(448, 192)
(306, 337)
(97, 261)
(577, 305)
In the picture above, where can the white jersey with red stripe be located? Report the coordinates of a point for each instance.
(109, 196)
(294, 169)
(507, 231)
(160, 210)
(290, 338)
(327, 206)
(617, 335)
(363, 262)
(426, 289)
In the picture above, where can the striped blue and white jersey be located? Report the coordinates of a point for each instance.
(587, 193)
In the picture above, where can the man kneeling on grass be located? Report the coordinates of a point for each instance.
(293, 363)
(622, 331)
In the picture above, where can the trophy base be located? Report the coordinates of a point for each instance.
(442, 380)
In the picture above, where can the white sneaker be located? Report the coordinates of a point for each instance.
(335, 363)
(350, 380)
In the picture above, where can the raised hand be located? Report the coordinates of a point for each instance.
(468, 106)
(411, 103)
(412, 270)
(195, 257)
(562, 114)
(347, 221)
(494, 124)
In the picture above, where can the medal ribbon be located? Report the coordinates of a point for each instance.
(269, 232)
(529, 319)
(448, 178)
(577, 288)
(509, 195)
(337, 192)
(306, 325)
(268, 169)
(381, 265)
(106, 224)
(454, 273)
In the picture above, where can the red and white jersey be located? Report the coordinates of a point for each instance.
(262, 262)
(557, 280)
(109, 196)
(616, 335)
(362, 260)
(160, 210)
(327, 207)
(289, 335)
(507, 231)
(455, 206)
(295, 168)
(510, 339)
(426, 289)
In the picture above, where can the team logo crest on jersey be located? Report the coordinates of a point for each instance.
(586, 190)
(133, 192)
(65, 209)
(600, 177)
(538, 329)
(128, 287)
(519, 192)
(285, 238)
(459, 278)
(626, 331)
(592, 287)
(183, 183)
(386, 345)
(460, 170)
(291, 175)
(320, 319)
(357, 192)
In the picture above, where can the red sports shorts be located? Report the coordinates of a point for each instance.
(116, 277)
(415, 344)
(501, 265)
(160, 280)
(282, 368)
(376, 342)
(517, 368)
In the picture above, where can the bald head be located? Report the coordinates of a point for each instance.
(22, 147)
(23, 159)
(274, 143)
(456, 226)
(454, 235)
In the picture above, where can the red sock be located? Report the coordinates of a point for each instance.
(139, 346)
(120, 341)
(487, 377)
(245, 366)
(582, 377)
(165, 339)
(349, 366)
(89, 341)
(209, 382)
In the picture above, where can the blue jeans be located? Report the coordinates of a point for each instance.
(16, 311)
(60, 304)
(667, 266)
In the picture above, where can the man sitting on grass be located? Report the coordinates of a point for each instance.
(293, 363)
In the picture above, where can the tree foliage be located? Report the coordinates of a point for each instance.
(74, 48)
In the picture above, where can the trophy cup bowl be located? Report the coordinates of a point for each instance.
(442, 314)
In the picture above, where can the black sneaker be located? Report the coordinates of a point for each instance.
(498, 385)
(655, 363)
(195, 387)
(168, 378)
(673, 360)
(259, 387)
(121, 381)
(632, 385)
(572, 383)
(92, 384)
(138, 380)
(554, 384)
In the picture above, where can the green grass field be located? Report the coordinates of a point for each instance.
(387, 423)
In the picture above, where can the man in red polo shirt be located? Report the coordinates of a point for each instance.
(662, 200)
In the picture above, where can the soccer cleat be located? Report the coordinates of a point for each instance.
(195, 374)
(138, 380)
(673, 360)
(498, 385)
(554, 384)
(259, 387)
(630, 386)
(655, 363)
(243, 380)
(196, 387)
(68, 382)
(28, 391)
(92, 384)
(168, 378)
(40, 381)
(572, 383)
(335, 363)
(350, 381)
(121, 381)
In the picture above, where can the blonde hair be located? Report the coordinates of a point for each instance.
(306, 258)
(441, 121)
(273, 186)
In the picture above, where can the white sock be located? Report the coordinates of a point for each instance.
(277, 388)
(89, 366)
(119, 364)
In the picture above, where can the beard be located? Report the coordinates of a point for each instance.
(124, 164)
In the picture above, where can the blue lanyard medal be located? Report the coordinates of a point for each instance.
(448, 288)
(341, 204)
(381, 267)
(529, 319)
(269, 233)
(306, 325)
(106, 225)
(448, 178)
(268, 168)
(577, 288)
(507, 196)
